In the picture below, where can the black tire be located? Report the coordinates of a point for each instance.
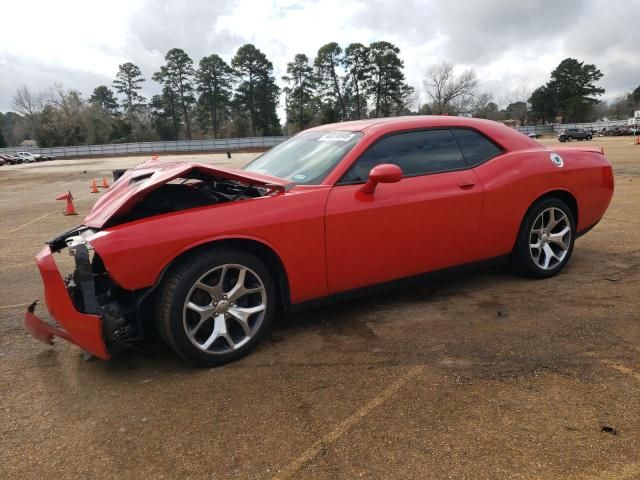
(589, 137)
(569, 138)
(522, 253)
(178, 283)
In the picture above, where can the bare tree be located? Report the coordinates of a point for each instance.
(70, 106)
(484, 107)
(450, 93)
(29, 104)
(26, 102)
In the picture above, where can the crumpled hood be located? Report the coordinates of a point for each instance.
(137, 182)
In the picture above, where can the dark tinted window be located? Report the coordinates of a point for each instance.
(475, 147)
(415, 153)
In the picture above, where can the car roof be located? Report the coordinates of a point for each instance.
(507, 137)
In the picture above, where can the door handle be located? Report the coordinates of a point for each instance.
(466, 184)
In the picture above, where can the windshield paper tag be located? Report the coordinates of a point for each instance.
(336, 137)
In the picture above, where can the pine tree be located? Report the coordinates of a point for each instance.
(386, 84)
(257, 92)
(330, 84)
(301, 91)
(103, 97)
(127, 83)
(356, 62)
(177, 75)
(214, 79)
(574, 85)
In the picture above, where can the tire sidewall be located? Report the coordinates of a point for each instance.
(191, 271)
(523, 253)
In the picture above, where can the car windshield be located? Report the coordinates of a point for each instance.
(306, 158)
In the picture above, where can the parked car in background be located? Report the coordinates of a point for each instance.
(339, 209)
(27, 157)
(41, 157)
(11, 159)
(574, 134)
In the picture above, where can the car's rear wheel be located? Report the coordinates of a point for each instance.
(569, 138)
(546, 238)
(216, 305)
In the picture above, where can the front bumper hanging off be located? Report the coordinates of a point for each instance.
(83, 329)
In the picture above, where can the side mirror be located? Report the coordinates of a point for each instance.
(385, 173)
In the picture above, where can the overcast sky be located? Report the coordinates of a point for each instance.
(513, 45)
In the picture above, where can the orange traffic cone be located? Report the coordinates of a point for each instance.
(69, 209)
(104, 182)
(94, 187)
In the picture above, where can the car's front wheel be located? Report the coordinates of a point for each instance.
(215, 305)
(546, 238)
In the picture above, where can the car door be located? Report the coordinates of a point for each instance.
(427, 221)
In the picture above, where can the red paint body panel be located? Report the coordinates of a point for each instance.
(82, 329)
(330, 237)
(291, 224)
(416, 225)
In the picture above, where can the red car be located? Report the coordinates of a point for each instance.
(213, 254)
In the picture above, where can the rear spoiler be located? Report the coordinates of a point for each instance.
(581, 148)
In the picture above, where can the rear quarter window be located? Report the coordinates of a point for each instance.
(475, 147)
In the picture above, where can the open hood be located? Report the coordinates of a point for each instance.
(139, 181)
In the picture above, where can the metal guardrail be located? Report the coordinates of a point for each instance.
(556, 127)
(179, 146)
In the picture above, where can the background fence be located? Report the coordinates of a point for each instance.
(556, 127)
(180, 146)
(230, 144)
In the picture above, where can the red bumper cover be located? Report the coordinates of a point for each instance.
(80, 328)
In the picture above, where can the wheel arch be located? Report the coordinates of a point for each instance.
(263, 251)
(561, 194)
(565, 195)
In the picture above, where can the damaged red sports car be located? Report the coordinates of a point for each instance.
(213, 254)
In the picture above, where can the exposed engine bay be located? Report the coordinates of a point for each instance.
(195, 190)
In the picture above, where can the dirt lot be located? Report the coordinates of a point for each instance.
(429, 382)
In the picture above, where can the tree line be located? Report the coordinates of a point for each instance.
(216, 99)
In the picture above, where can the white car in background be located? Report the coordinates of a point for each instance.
(27, 157)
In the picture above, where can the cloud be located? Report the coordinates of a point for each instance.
(513, 45)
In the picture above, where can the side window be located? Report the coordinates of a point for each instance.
(475, 147)
(416, 153)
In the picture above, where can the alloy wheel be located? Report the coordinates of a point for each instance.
(224, 308)
(550, 238)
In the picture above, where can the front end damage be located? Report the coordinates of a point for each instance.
(89, 308)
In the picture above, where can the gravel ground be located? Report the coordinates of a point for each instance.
(486, 375)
